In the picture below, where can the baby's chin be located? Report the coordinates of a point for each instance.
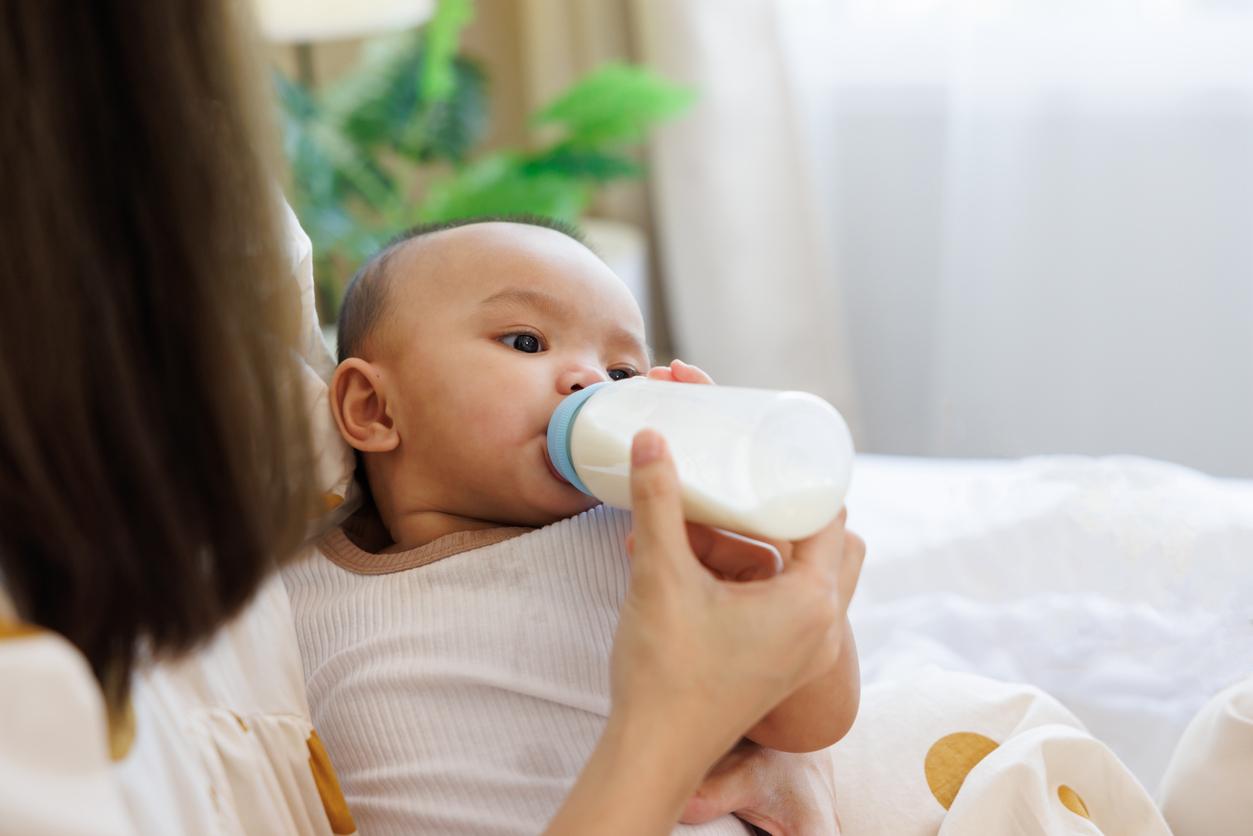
(539, 517)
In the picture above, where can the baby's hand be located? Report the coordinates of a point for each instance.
(679, 372)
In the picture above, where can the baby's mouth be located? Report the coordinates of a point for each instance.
(552, 468)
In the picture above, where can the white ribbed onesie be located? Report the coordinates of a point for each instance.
(464, 696)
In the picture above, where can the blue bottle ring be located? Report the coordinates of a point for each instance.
(559, 427)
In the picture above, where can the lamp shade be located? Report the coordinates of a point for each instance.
(303, 21)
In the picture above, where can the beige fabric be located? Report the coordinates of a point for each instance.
(561, 41)
(564, 39)
(1206, 788)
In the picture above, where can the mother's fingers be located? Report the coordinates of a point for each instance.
(733, 556)
(823, 549)
(660, 535)
(849, 572)
(833, 557)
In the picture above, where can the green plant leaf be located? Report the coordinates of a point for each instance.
(591, 163)
(448, 128)
(441, 37)
(615, 104)
(294, 100)
(326, 167)
(382, 105)
(498, 185)
(370, 103)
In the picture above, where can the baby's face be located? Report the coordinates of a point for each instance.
(488, 327)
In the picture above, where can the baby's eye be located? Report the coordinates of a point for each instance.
(527, 343)
(622, 374)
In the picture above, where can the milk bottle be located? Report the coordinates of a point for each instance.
(755, 461)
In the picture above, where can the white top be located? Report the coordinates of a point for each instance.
(54, 743)
(465, 695)
(217, 743)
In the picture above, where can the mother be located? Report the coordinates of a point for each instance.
(155, 465)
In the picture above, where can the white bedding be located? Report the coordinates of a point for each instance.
(1121, 586)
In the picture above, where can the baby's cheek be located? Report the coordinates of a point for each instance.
(509, 424)
(471, 415)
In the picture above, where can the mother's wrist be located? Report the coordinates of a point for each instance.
(636, 781)
(685, 740)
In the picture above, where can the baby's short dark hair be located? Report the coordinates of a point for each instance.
(366, 295)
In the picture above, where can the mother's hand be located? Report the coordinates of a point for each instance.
(709, 656)
(698, 658)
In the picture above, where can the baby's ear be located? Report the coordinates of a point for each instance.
(359, 402)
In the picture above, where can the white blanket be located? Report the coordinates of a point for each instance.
(1120, 586)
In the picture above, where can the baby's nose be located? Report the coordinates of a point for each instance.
(574, 379)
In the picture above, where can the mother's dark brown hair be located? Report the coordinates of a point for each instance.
(153, 451)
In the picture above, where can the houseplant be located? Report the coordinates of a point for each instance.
(392, 143)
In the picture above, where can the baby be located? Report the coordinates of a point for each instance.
(456, 632)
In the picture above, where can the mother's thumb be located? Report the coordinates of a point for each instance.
(655, 502)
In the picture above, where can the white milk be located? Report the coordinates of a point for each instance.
(754, 461)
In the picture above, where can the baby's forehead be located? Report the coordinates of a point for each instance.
(452, 263)
(470, 264)
(432, 281)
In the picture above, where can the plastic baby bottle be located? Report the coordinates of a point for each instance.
(754, 461)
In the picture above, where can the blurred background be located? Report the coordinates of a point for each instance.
(981, 229)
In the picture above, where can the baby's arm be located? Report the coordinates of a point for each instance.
(820, 713)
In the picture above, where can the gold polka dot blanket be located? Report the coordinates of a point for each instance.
(961, 755)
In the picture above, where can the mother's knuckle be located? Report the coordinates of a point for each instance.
(648, 487)
(819, 607)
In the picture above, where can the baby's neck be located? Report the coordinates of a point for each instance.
(404, 515)
(411, 529)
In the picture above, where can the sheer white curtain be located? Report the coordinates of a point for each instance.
(748, 273)
(1024, 227)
